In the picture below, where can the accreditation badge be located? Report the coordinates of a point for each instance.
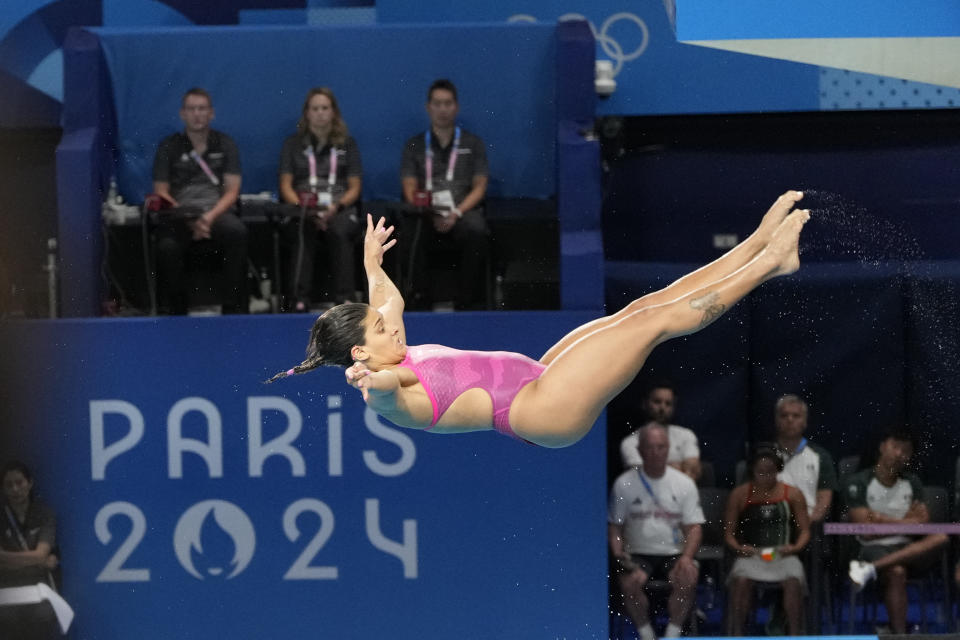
(443, 200)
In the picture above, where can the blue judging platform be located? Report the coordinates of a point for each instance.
(531, 101)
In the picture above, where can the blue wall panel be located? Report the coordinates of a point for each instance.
(509, 538)
(81, 244)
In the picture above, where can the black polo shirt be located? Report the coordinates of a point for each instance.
(39, 526)
(189, 184)
(471, 162)
(293, 160)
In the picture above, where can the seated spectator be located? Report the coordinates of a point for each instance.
(887, 493)
(320, 174)
(197, 172)
(767, 525)
(28, 536)
(659, 405)
(450, 164)
(807, 466)
(654, 531)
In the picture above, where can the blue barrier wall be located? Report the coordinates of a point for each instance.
(259, 75)
(513, 101)
(195, 502)
(579, 189)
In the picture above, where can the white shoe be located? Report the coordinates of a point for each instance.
(861, 573)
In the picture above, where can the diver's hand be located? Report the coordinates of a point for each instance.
(381, 383)
(357, 375)
(376, 240)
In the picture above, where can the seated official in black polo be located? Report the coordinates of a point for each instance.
(198, 172)
(450, 163)
(321, 176)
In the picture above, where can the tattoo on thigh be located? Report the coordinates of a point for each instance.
(711, 306)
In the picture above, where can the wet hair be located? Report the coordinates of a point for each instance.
(338, 128)
(332, 337)
(764, 451)
(196, 91)
(444, 84)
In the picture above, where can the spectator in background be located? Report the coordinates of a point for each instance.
(767, 525)
(197, 171)
(807, 466)
(654, 531)
(28, 537)
(321, 177)
(887, 493)
(659, 405)
(450, 164)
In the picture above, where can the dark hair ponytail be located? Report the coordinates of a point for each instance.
(332, 337)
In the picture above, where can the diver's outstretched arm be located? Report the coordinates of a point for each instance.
(383, 294)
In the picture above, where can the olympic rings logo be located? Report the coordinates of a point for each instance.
(610, 45)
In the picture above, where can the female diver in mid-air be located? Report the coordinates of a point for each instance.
(552, 402)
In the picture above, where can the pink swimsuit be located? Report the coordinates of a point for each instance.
(445, 373)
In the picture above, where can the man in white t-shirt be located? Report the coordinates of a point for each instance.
(806, 466)
(684, 452)
(653, 528)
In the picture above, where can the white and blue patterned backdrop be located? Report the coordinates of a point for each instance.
(849, 90)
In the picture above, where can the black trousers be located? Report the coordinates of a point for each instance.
(468, 241)
(301, 241)
(174, 244)
(29, 622)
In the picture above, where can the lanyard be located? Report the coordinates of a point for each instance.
(796, 452)
(16, 528)
(649, 489)
(312, 161)
(206, 168)
(23, 541)
(429, 157)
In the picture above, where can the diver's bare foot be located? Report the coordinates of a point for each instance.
(784, 247)
(776, 214)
